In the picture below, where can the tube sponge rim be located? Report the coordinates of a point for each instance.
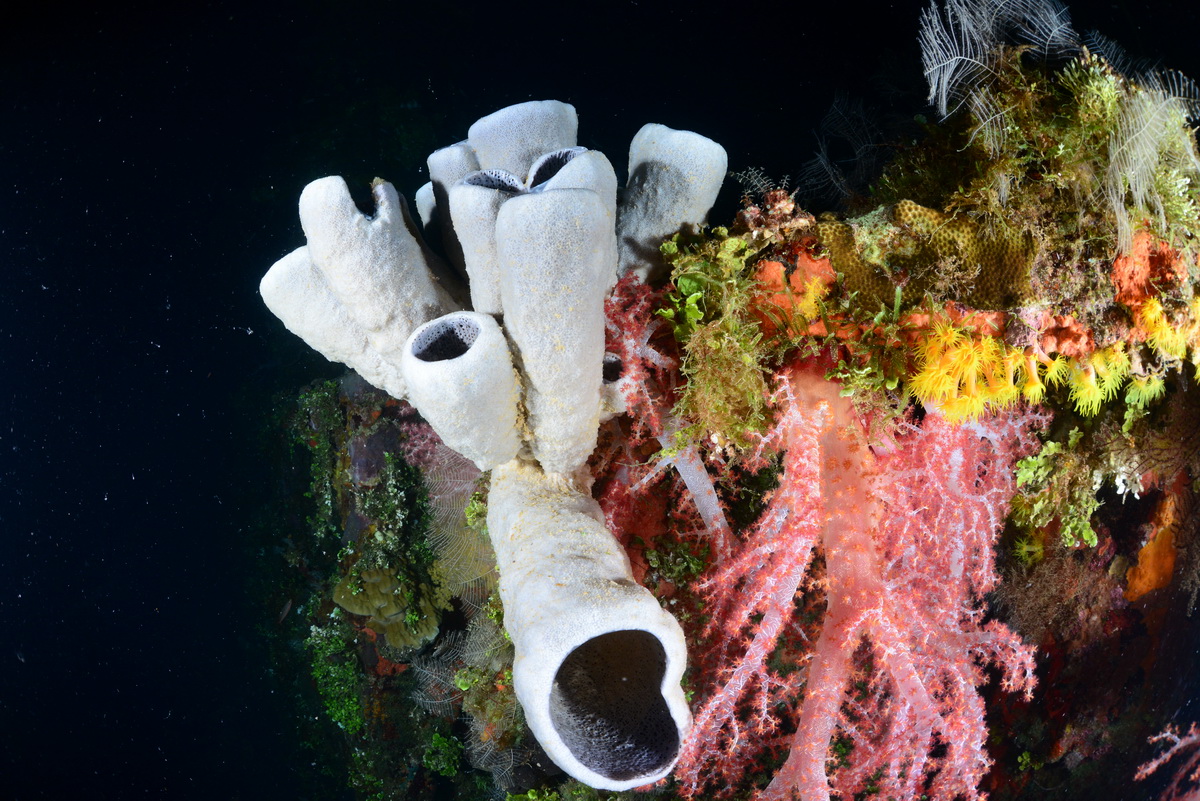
(460, 376)
(564, 581)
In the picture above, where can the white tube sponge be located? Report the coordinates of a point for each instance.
(375, 266)
(460, 377)
(473, 208)
(598, 661)
(512, 138)
(475, 204)
(448, 166)
(674, 178)
(426, 202)
(583, 169)
(557, 254)
(297, 293)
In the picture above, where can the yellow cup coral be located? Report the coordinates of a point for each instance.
(1168, 339)
(1097, 378)
(964, 372)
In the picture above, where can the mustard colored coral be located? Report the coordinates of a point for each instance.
(408, 616)
(989, 266)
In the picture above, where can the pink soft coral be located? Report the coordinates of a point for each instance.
(649, 375)
(1185, 784)
(907, 538)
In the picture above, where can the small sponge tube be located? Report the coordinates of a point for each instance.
(598, 662)
(578, 168)
(674, 178)
(514, 137)
(447, 167)
(473, 208)
(460, 377)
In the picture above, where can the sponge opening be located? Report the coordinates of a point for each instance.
(607, 706)
(613, 368)
(445, 339)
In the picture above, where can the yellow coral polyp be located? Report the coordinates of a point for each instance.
(967, 364)
(1162, 336)
(1004, 387)
(963, 407)
(1111, 365)
(963, 374)
(1144, 390)
(1033, 387)
(1085, 389)
(1029, 550)
(1057, 371)
(944, 337)
(934, 381)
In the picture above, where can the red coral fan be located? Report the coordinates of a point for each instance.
(907, 537)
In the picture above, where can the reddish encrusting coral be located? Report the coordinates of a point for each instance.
(373, 660)
(1150, 266)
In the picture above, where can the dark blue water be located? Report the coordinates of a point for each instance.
(150, 162)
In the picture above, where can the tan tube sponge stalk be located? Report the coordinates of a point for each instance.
(555, 250)
(598, 662)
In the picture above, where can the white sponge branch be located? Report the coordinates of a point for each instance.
(512, 138)
(447, 166)
(298, 294)
(598, 662)
(557, 253)
(473, 209)
(461, 378)
(674, 178)
(375, 266)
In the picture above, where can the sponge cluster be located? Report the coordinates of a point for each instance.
(534, 236)
(501, 348)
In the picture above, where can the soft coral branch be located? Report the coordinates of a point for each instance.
(907, 538)
(1185, 784)
(649, 384)
(762, 578)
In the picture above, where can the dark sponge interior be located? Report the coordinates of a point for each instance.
(445, 339)
(607, 705)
